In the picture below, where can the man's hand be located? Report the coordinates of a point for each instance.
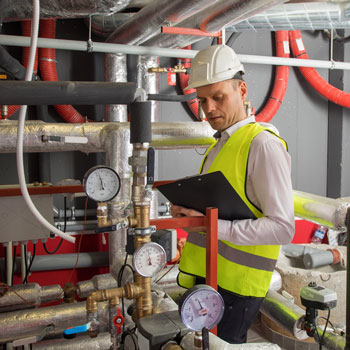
(178, 212)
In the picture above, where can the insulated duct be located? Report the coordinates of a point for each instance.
(147, 21)
(212, 19)
(301, 16)
(17, 10)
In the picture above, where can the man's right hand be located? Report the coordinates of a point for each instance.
(178, 211)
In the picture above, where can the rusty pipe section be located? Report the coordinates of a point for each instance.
(100, 137)
(212, 19)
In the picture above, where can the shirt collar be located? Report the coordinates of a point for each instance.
(233, 128)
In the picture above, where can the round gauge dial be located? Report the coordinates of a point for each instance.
(149, 259)
(101, 183)
(201, 306)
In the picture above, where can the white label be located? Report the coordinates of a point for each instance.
(286, 47)
(75, 139)
(300, 44)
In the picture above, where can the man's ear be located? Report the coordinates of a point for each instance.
(243, 90)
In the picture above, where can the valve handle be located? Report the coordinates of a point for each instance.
(118, 321)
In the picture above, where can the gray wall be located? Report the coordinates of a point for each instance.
(303, 119)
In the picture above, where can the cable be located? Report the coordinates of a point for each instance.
(25, 280)
(13, 263)
(325, 328)
(20, 130)
(131, 334)
(64, 230)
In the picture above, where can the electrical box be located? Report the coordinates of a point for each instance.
(17, 223)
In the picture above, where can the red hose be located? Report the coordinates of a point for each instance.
(26, 31)
(183, 79)
(48, 70)
(281, 80)
(311, 75)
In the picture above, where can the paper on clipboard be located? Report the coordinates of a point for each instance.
(209, 190)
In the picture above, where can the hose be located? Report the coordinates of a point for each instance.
(281, 80)
(21, 121)
(48, 70)
(311, 75)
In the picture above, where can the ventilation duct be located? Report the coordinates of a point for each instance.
(17, 10)
(213, 19)
(147, 21)
(304, 16)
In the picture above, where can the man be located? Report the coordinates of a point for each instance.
(255, 162)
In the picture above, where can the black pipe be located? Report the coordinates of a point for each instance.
(172, 98)
(140, 122)
(65, 93)
(347, 336)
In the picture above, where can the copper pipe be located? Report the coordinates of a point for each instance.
(142, 215)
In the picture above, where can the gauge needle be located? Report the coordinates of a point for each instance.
(149, 258)
(203, 311)
(101, 182)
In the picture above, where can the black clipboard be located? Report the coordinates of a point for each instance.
(209, 190)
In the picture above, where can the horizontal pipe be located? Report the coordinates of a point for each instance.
(321, 210)
(74, 45)
(101, 342)
(29, 296)
(65, 92)
(26, 323)
(290, 316)
(98, 137)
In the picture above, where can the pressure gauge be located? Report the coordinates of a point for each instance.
(101, 183)
(201, 306)
(149, 259)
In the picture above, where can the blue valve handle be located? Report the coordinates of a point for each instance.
(77, 329)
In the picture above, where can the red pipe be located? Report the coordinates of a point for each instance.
(26, 31)
(48, 70)
(281, 80)
(311, 75)
(183, 79)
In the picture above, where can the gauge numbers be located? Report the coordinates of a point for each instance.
(201, 306)
(101, 183)
(149, 259)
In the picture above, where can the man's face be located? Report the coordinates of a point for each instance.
(222, 103)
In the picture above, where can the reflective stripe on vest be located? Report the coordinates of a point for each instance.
(237, 256)
(244, 270)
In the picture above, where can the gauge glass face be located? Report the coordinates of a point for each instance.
(149, 259)
(102, 184)
(203, 307)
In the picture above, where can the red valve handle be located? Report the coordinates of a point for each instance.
(118, 321)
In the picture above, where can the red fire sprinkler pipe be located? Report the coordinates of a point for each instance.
(48, 70)
(311, 75)
(281, 80)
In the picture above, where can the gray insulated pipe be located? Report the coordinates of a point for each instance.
(212, 19)
(17, 10)
(65, 92)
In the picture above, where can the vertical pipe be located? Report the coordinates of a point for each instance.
(115, 71)
(150, 83)
(9, 263)
(347, 344)
(212, 250)
(23, 262)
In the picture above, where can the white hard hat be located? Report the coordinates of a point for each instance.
(213, 64)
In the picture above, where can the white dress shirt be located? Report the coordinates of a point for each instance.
(268, 186)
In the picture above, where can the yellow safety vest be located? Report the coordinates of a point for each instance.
(243, 270)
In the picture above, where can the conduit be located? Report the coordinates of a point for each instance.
(311, 75)
(281, 80)
(48, 71)
(75, 45)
